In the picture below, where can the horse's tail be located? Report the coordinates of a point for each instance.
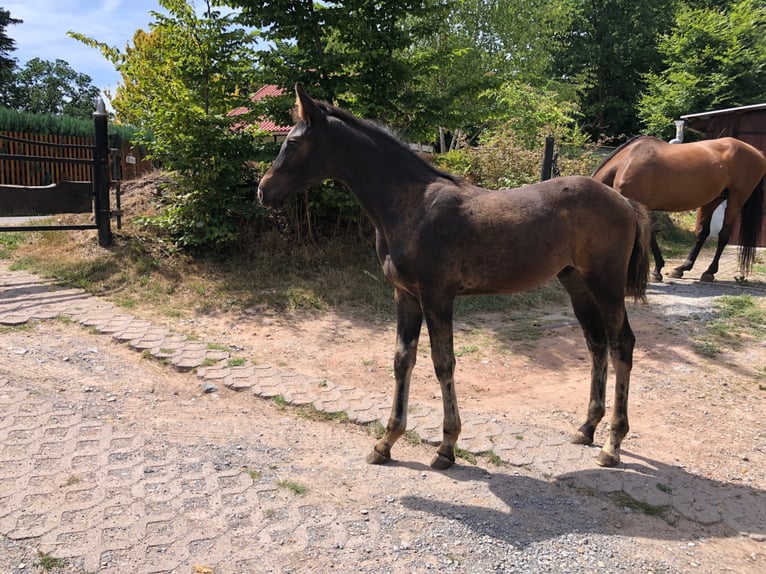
(608, 158)
(750, 227)
(638, 267)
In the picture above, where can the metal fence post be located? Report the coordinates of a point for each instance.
(547, 168)
(101, 174)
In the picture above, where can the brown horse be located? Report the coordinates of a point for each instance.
(438, 237)
(681, 177)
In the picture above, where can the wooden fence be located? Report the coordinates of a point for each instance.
(77, 147)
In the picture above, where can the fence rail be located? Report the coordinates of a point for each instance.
(58, 158)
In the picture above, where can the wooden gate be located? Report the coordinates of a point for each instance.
(64, 196)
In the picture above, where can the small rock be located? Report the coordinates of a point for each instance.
(209, 388)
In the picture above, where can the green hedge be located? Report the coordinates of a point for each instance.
(23, 122)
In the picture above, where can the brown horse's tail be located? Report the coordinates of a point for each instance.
(750, 227)
(638, 267)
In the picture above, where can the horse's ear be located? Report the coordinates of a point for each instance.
(307, 109)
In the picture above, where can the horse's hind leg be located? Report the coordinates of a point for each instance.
(659, 262)
(589, 316)
(600, 308)
(621, 343)
(702, 231)
(409, 318)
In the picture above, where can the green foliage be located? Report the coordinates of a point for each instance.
(7, 63)
(605, 53)
(179, 81)
(353, 52)
(25, 122)
(46, 87)
(715, 59)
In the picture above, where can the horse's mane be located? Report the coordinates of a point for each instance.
(376, 128)
(630, 142)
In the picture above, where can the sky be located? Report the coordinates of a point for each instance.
(43, 33)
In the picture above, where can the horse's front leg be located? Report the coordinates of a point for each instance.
(409, 318)
(438, 314)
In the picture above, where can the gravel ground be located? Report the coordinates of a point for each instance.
(401, 517)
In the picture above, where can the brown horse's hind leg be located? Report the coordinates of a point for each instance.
(589, 316)
(702, 231)
(438, 314)
(659, 261)
(621, 343)
(409, 318)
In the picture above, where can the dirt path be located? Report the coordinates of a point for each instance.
(116, 463)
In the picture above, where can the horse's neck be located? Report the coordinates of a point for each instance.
(387, 181)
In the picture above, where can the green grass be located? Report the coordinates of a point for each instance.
(626, 501)
(295, 487)
(9, 242)
(736, 318)
(48, 562)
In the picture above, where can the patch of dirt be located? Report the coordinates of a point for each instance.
(680, 400)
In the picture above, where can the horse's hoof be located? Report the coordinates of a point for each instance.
(676, 274)
(584, 435)
(707, 278)
(441, 462)
(376, 458)
(607, 460)
(656, 277)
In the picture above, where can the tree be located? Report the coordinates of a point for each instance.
(716, 58)
(45, 87)
(7, 63)
(606, 53)
(355, 53)
(179, 80)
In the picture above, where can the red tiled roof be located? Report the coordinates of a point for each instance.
(268, 91)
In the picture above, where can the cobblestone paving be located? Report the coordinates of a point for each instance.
(135, 485)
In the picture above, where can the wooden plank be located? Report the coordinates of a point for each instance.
(63, 197)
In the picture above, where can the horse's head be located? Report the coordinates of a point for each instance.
(300, 161)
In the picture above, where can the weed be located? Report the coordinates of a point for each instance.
(280, 401)
(310, 412)
(465, 455)
(322, 384)
(64, 319)
(48, 562)
(209, 362)
(466, 350)
(218, 347)
(72, 480)
(627, 501)
(236, 361)
(295, 487)
(377, 429)
(664, 488)
(412, 438)
(255, 475)
(493, 457)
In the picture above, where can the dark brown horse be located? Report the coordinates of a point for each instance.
(681, 177)
(439, 237)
